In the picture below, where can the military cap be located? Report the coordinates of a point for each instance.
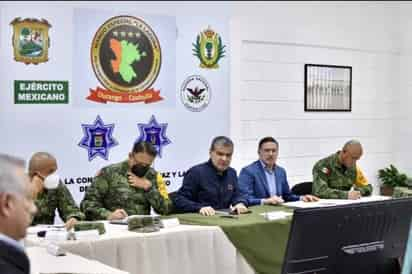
(85, 225)
(142, 223)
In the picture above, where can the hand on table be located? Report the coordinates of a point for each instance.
(310, 198)
(274, 200)
(239, 208)
(207, 211)
(354, 195)
(70, 223)
(118, 214)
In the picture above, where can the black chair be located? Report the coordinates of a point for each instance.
(302, 188)
(172, 196)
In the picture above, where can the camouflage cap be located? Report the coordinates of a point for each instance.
(81, 226)
(143, 223)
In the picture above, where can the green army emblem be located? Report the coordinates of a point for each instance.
(209, 49)
(31, 40)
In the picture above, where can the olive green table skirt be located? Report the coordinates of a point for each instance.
(261, 242)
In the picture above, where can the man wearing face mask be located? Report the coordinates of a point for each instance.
(127, 188)
(211, 185)
(338, 177)
(50, 193)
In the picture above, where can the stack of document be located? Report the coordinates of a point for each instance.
(38, 228)
(334, 202)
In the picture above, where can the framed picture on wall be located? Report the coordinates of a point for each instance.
(328, 88)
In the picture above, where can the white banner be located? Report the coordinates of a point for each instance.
(86, 84)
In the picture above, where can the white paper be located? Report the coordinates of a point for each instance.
(168, 223)
(334, 202)
(87, 234)
(276, 215)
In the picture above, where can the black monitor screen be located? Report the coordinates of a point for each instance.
(349, 239)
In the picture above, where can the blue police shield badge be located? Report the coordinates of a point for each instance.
(98, 139)
(154, 133)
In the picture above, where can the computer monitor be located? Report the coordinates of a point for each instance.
(407, 259)
(361, 238)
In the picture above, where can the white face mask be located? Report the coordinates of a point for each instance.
(52, 181)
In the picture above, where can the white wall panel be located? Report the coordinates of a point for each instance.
(270, 94)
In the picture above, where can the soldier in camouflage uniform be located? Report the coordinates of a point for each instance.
(127, 188)
(338, 177)
(41, 166)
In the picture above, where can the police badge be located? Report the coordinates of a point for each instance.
(98, 139)
(154, 133)
(30, 40)
(209, 49)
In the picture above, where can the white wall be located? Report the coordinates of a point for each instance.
(271, 42)
(403, 147)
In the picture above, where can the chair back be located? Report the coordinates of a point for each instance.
(302, 188)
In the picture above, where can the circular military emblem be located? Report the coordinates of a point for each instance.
(125, 54)
(195, 93)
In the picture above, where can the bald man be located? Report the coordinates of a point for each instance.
(338, 177)
(50, 193)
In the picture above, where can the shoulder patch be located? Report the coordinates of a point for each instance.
(326, 170)
(161, 186)
(98, 173)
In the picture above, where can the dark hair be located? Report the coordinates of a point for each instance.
(266, 140)
(221, 141)
(144, 147)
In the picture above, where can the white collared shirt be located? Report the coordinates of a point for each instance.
(11, 241)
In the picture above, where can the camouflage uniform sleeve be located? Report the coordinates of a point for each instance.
(320, 186)
(92, 204)
(67, 206)
(361, 183)
(365, 190)
(45, 209)
(158, 196)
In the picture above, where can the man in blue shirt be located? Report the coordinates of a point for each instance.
(211, 185)
(264, 182)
